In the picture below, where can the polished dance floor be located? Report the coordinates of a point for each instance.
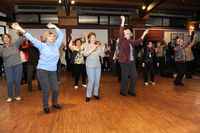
(162, 108)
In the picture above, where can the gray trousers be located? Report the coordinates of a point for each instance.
(48, 79)
(126, 71)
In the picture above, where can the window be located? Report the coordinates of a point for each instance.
(153, 21)
(27, 18)
(2, 31)
(103, 20)
(46, 18)
(166, 22)
(177, 22)
(86, 19)
(115, 20)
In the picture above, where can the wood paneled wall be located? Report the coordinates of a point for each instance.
(70, 20)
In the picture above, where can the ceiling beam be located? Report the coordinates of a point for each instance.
(67, 7)
(149, 6)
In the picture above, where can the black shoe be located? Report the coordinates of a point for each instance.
(123, 94)
(46, 110)
(132, 94)
(57, 106)
(181, 84)
(176, 84)
(97, 97)
(87, 99)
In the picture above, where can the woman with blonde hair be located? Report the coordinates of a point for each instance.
(47, 65)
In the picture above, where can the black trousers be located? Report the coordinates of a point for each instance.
(79, 69)
(31, 71)
(190, 68)
(24, 73)
(128, 69)
(180, 67)
(161, 61)
(149, 69)
(106, 63)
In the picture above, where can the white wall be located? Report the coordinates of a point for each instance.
(101, 34)
(167, 34)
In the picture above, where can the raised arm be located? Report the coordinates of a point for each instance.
(19, 41)
(144, 33)
(36, 43)
(139, 41)
(194, 40)
(86, 41)
(71, 47)
(59, 40)
(121, 31)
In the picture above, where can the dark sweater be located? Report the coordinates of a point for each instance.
(124, 47)
(149, 56)
(33, 55)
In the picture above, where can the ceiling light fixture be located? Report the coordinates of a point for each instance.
(143, 7)
(72, 2)
(59, 1)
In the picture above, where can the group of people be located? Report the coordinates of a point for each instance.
(86, 60)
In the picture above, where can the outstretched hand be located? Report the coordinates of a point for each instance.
(50, 25)
(122, 18)
(72, 36)
(146, 31)
(15, 26)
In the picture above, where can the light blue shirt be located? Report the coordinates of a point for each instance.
(131, 53)
(49, 53)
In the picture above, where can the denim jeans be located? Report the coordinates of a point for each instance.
(48, 79)
(13, 75)
(94, 75)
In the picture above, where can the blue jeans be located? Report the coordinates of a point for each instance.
(13, 75)
(94, 75)
(48, 79)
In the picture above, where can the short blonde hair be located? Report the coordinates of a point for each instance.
(48, 33)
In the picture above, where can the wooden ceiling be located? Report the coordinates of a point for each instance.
(169, 5)
(184, 5)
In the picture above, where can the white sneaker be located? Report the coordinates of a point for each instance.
(153, 83)
(146, 83)
(84, 85)
(9, 100)
(75, 87)
(18, 98)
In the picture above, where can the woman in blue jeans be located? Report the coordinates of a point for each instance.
(47, 65)
(12, 64)
(93, 51)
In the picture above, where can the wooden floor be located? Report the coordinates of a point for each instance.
(162, 108)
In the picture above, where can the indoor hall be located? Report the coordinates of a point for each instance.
(85, 66)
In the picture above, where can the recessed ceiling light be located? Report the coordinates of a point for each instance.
(143, 7)
(59, 1)
(72, 2)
